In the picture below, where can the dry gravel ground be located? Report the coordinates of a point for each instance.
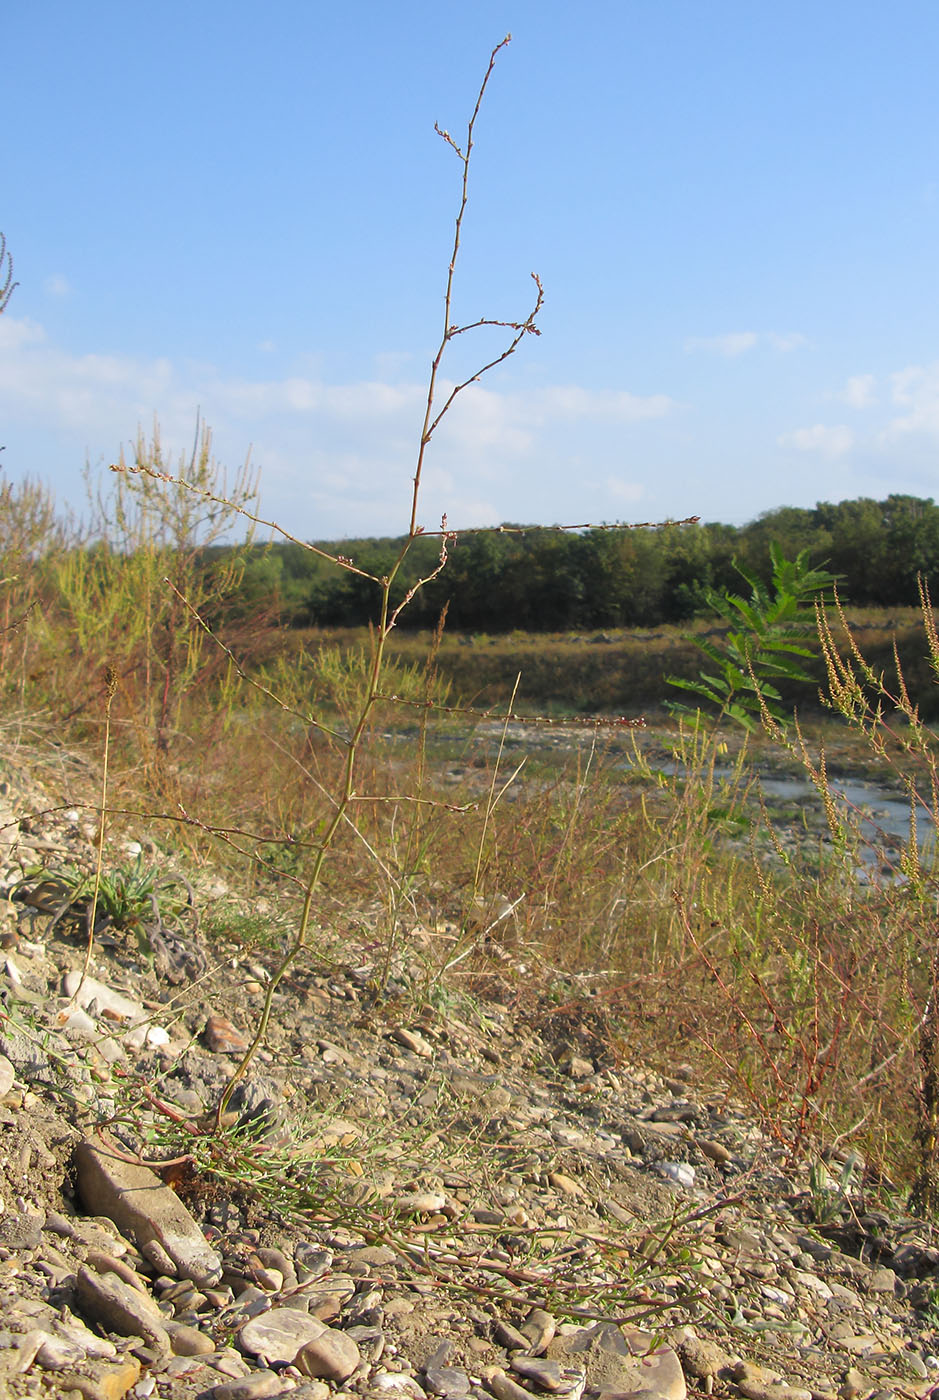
(462, 1199)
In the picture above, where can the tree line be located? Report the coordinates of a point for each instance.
(538, 579)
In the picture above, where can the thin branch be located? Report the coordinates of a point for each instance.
(249, 515)
(464, 156)
(451, 532)
(7, 285)
(525, 328)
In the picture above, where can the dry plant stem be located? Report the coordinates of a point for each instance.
(387, 615)
(491, 800)
(427, 429)
(732, 999)
(110, 689)
(253, 517)
(416, 824)
(7, 285)
(863, 698)
(925, 1196)
(300, 937)
(451, 532)
(603, 526)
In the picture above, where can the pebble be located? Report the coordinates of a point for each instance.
(545, 1374)
(88, 993)
(623, 1361)
(253, 1387)
(510, 1337)
(714, 1151)
(271, 1280)
(53, 1353)
(449, 1381)
(538, 1329)
(140, 1204)
(502, 1386)
(412, 1040)
(188, 1341)
(565, 1184)
(397, 1383)
(7, 1076)
(682, 1173)
(420, 1203)
(105, 1263)
(108, 1300)
(277, 1335)
(701, 1358)
(101, 1380)
(333, 1356)
(775, 1390)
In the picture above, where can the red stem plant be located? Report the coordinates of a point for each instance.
(816, 994)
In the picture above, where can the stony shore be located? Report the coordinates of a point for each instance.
(474, 1198)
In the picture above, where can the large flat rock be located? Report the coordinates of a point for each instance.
(145, 1210)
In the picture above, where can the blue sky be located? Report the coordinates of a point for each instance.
(733, 206)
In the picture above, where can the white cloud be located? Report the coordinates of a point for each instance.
(628, 491)
(328, 452)
(793, 341)
(392, 364)
(908, 410)
(77, 391)
(736, 343)
(730, 346)
(826, 440)
(15, 334)
(57, 286)
(483, 418)
(483, 422)
(571, 401)
(916, 389)
(859, 391)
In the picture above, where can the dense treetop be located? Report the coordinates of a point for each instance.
(545, 580)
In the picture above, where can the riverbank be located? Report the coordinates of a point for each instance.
(490, 1194)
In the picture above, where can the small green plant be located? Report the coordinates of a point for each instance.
(830, 1195)
(127, 899)
(778, 624)
(630, 1271)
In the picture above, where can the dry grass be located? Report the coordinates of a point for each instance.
(582, 871)
(618, 671)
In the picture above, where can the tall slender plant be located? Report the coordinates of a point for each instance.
(344, 798)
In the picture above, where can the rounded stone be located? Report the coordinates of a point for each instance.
(188, 1341)
(332, 1356)
(278, 1335)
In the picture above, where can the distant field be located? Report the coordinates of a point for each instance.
(623, 672)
